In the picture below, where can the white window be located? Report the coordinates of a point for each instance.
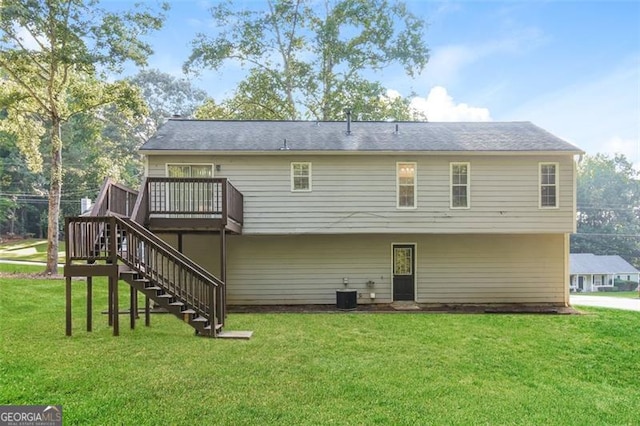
(406, 185)
(460, 177)
(190, 170)
(548, 185)
(300, 177)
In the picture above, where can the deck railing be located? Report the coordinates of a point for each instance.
(193, 198)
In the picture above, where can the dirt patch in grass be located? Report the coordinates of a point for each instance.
(419, 308)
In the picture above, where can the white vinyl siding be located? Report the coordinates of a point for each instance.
(548, 182)
(460, 185)
(300, 269)
(357, 194)
(300, 177)
(406, 185)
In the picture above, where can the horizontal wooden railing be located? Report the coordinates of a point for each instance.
(194, 197)
(124, 240)
(114, 199)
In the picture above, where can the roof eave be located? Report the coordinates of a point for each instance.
(291, 152)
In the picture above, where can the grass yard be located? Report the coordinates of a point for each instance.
(625, 294)
(347, 368)
(29, 249)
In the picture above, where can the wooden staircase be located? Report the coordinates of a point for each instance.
(108, 242)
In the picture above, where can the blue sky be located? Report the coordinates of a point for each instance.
(571, 67)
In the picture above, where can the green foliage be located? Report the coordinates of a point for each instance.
(608, 194)
(166, 96)
(317, 368)
(54, 56)
(308, 60)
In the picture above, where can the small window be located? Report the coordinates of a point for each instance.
(548, 185)
(300, 177)
(460, 175)
(406, 181)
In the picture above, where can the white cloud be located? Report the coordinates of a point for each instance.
(449, 61)
(600, 115)
(27, 40)
(440, 106)
(629, 147)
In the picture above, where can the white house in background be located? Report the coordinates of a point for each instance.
(590, 272)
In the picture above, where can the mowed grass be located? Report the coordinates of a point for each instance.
(624, 294)
(33, 250)
(347, 368)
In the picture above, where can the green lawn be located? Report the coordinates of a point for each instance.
(347, 368)
(625, 294)
(29, 249)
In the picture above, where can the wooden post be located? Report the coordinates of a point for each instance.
(68, 305)
(116, 313)
(147, 312)
(133, 307)
(110, 303)
(222, 305)
(89, 303)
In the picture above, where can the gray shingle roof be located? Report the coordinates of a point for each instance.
(587, 263)
(215, 135)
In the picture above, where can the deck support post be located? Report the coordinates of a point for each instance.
(113, 283)
(222, 305)
(89, 303)
(68, 305)
(110, 303)
(133, 307)
(147, 311)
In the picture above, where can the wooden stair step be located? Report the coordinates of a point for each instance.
(200, 319)
(176, 304)
(153, 287)
(166, 296)
(188, 311)
(218, 327)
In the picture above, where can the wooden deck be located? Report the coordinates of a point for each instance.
(189, 205)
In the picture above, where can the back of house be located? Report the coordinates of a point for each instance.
(435, 213)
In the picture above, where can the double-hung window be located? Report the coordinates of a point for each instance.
(300, 177)
(548, 179)
(460, 179)
(406, 185)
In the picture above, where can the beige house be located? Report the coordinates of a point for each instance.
(436, 213)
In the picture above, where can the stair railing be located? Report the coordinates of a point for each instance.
(148, 255)
(114, 199)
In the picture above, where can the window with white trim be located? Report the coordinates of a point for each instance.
(406, 185)
(190, 170)
(548, 185)
(300, 177)
(460, 177)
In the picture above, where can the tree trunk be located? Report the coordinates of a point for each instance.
(55, 190)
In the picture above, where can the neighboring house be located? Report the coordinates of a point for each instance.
(436, 213)
(590, 272)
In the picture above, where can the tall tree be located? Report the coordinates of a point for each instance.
(166, 96)
(608, 204)
(54, 55)
(306, 58)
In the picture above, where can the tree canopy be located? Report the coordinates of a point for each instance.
(308, 59)
(608, 204)
(53, 59)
